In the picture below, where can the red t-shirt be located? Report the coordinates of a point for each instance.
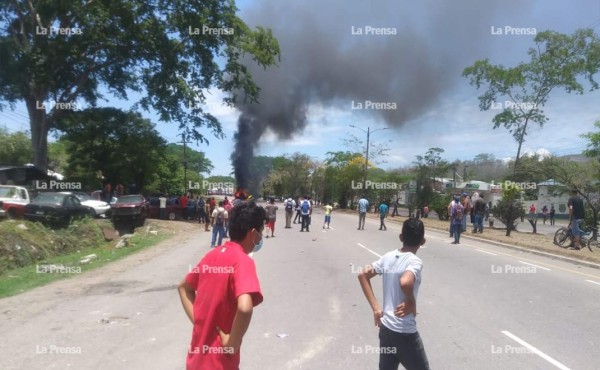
(183, 201)
(220, 278)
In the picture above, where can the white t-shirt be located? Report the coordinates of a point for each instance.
(309, 207)
(391, 266)
(218, 210)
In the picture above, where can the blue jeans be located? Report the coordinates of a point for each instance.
(217, 229)
(456, 232)
(401, 348)
(478, 222)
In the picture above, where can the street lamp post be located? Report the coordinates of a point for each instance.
(368, 132)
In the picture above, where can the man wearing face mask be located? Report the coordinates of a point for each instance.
(219, 294)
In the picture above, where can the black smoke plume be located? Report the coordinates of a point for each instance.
(324, 60)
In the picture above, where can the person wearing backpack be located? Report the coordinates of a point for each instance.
(290, 204)
(457, 217)
(305, 210)
(219, 218)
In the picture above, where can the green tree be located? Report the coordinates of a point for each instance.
(158, 49)
(170, 174)
(584, 177)
(196, 161)
(509, 209)
(440, 205)
(58, 157)
(15, 148)
(121, 147)
(557, 61)
(343, 170)
(291, 174)
(593, 148)
(428, 167)
(579, 176)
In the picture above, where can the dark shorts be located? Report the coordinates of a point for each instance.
(401, 348)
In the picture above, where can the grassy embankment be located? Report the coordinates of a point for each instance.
(33, 255)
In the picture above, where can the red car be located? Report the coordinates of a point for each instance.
(130, 208)
(173, 210)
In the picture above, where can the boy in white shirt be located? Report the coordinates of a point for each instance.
(399, 339)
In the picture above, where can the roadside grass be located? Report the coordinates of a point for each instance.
(20, 279)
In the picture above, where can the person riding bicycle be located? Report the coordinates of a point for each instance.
(576, 217)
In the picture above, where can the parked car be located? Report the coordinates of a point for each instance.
(100, 208)
(130, 208)
(13, 199)
(173, 210)
(97, 195)
(56, 208)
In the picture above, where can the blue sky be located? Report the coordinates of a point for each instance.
(454, 122)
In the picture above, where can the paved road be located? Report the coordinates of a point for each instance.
(480, 307)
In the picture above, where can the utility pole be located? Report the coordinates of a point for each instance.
(185, 163)
(367, 159)
(454, 176)
(368, 132)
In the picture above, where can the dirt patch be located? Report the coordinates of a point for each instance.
(539, 242)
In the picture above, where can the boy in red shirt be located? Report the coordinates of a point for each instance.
(219, 294)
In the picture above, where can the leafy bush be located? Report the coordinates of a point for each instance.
(508, 210)
(440, 205)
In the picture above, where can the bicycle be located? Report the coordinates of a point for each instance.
(565, 234)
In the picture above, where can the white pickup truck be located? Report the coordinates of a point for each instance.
(13, 200)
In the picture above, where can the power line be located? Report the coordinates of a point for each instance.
(12, 114)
